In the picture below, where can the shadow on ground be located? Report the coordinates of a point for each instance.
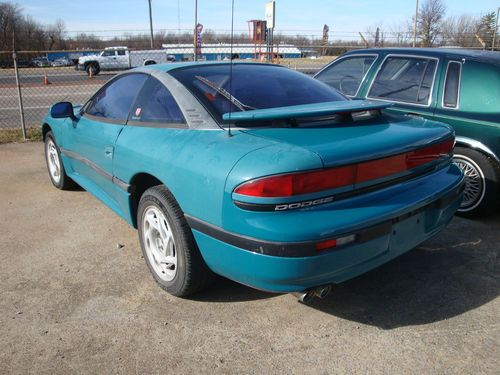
(453, 273)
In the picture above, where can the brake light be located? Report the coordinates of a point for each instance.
(287, 185)
(291, 184)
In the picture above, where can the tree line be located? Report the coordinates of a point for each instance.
(433, 29)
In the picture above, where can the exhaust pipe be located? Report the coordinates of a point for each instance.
(307, 295)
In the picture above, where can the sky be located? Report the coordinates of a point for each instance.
(306, 17)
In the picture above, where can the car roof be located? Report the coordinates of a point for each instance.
(486, 56)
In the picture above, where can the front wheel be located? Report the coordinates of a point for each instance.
(168, 245)
(92, 69)
(55, 166)
(481, 182)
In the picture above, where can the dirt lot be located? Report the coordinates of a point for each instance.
(72, 301)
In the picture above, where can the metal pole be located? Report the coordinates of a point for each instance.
(495, 31)
(151, 23)
(415, 26)
(195, 39)
(21, 108)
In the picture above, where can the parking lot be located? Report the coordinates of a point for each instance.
(76, 296)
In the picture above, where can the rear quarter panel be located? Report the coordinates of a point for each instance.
(193, 164)
(478, 115)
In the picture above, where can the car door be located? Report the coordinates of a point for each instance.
(408, 82)
(108, 60)
(90, 140)
(122, 59)
(347, 74)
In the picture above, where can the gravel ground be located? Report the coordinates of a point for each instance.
(76, 297)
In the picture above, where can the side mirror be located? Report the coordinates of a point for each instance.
(62, 110)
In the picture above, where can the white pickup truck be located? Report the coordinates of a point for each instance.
(118, 58)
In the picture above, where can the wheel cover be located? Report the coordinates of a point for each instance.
(53, 161)
(474, 182)
(159, 243)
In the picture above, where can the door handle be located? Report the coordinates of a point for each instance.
(108, 151)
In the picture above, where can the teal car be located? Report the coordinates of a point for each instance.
(455, 86)
(255, 172)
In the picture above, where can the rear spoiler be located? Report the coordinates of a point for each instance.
(306, 110)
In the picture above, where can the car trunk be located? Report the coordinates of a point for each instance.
(341, 144)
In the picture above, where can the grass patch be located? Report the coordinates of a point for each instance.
(16, 135)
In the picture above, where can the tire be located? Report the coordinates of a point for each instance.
(168, 245)
(481, 182)
(55, 166)
(92, 68)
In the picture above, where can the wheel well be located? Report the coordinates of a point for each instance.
(91, 63)
(482, 150)
(139, 184)
(45, 129)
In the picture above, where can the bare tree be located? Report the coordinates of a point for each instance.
(459, 31)
(430, 21)
(56, 35)
(10, 15)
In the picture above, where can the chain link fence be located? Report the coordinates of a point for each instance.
(47, 77)
(40, 78)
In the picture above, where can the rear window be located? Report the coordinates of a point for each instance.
(452, 85)
(253, 86)
(405, 79)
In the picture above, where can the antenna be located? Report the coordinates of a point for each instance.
(231, 69)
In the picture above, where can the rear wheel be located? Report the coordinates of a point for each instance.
(481, 182)
(168, 245)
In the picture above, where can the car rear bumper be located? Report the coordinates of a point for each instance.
(295, 266)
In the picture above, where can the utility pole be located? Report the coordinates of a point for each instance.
(151, 23)
(495, 31)
(195, 38)
(415, 26)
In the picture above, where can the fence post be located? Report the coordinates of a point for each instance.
(18, 84)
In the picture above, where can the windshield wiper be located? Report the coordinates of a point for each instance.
(241, 106)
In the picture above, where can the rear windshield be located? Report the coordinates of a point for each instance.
(253, 86)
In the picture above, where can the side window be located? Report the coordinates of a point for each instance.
(405, 79)
(156, 104)
(115, 99)
(452, 85)
(347, 74)
(108, 53)
(121, 52)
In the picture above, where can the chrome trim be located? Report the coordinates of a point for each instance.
(115, 180)
(376, 55)
(476, 145)
(457, 107)
(422, 57)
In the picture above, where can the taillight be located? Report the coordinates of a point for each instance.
(287, 185)
(291, 184)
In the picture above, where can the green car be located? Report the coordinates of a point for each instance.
(458, 87)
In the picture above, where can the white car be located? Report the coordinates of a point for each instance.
(62, 61)
(119, 58)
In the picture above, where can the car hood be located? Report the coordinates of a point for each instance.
(87, 58)
(371, 139)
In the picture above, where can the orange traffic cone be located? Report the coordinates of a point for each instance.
(91, 71)
(46, 79)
